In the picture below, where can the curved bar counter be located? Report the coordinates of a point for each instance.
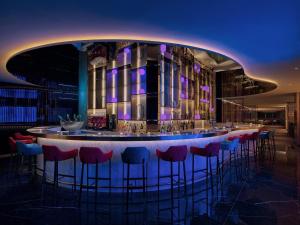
(118, 142)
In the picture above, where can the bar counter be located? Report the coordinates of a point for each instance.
(117, 142)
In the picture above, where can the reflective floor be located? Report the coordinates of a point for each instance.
(266, 193)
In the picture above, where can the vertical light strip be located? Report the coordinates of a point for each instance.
(138, 82)
(180, 89)
(172, 89)
(94, 89)
(162, 86)
(103, 87)
(114, 87)
(125, 83)
(186, 90)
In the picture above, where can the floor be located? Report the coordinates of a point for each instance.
(266, 193)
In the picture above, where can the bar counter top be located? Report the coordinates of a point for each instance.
(54, 132)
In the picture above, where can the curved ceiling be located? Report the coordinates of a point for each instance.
(263, 36)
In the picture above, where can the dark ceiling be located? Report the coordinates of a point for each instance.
(55, 63)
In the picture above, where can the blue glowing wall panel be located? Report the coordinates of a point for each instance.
(9, 114)
(18, 93)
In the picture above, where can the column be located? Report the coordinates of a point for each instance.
(83, 85)
(297, 119)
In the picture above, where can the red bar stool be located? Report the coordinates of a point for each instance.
(173, 154)
(54, 154)
(93, 155)
(243, 139)
(209, 151)
(19, 136)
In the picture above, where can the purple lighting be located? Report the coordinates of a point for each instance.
(205, 88)
(142, 91)
(197, 68)
(182, 79)
(163, 48)
(126, 50)
(114, 71)
(126, 116)
(197, 117)
(142, 71)
(163, 116)
(204, 100)
(114, 100)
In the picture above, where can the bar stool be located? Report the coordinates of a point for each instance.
(93, 155)
(135, 156)
(173, 154)
(54, 154)
(232, 147)
(30, 151)
(243, 145)
(264, 138)
(13, 151)
(19, 136)
(272, 137)
(209, 151)
(254, 139)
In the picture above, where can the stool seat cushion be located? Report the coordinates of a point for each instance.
(264, 135)
(135, 155)
(210, 150)
(94, 155)
(28, 149)
(19, 136)
(173, 154)
(230, 145)
(53, 153)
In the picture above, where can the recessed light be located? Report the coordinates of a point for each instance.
(296, 68)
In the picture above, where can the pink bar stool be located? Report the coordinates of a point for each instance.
(54, 154)
(173, 154)
(209, 151)
(93, 155)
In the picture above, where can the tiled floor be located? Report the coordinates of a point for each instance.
(268, 193)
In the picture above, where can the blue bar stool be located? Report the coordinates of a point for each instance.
(30, 151)
(232, 147)
(265, 145)
(137, 156)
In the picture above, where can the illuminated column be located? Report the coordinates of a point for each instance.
(172, 89)
(162, 85)
(83, 85)
(94, 89)
(187, 90)
(138, 83)
(114, 97)
(103, 94)
(298, 118)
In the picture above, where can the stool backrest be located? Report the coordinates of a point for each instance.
(51, 152)
(234, 144)
(90, 154)
(213, 148)
(264, 134)
(135, 155)
(21, 147)
(177, 153)
(19, 136)
(254, 135)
